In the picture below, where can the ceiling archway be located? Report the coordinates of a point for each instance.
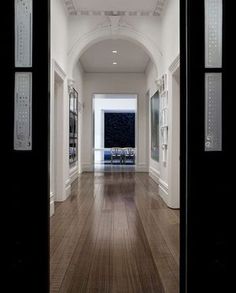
(104, 33)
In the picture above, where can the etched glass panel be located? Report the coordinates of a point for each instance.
(23, 111)
(213, 112)
(213, 33)
(23, 33)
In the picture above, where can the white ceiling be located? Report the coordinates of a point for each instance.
(115, 7)
(99, 57)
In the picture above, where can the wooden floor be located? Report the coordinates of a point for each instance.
(114, 234)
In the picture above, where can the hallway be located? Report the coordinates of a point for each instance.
(114, 234)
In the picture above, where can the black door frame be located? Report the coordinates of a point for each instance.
(26, 235)
(206, 180)
(25, 203)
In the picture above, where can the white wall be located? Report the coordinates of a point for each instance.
(59, 33)
(59, 62)
(170, 34)
(114, 83)
(169, 44)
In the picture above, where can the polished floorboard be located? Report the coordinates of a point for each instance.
(114, 234)
(114, 168)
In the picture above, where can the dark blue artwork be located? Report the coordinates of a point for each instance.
(119, 130)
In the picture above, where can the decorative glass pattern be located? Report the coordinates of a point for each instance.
(213, 33)
(23, 33)
(213, 112)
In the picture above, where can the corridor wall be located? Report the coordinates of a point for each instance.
(169, 43)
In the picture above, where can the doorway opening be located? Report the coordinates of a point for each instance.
(114, 132)
(57, 136)
(125, 83)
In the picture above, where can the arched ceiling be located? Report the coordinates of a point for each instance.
(115, 7)
(128, 56)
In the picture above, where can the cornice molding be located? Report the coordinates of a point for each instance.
(57, 68)
(115, 28)
(73, 9)
(107, 30)
(175, 64)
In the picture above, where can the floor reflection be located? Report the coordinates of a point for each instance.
(114, 234)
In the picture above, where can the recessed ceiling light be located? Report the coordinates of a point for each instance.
(114, 51)
(114, 63)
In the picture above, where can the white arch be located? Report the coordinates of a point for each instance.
(100, 34)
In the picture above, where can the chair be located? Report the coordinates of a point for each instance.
(116, 154)
(128, 154)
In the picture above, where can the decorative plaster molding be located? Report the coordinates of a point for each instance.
(57, 68)
(158, 83)
(51, 203)
(175, 64)
(103, 32)
(123, 28)
(71, 84)
(73, 9)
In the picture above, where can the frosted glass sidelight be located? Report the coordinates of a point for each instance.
(213, 33)
(23, 111)
(213, 112)
(23, 33)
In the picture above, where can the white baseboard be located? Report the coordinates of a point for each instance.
(141, 168)
(52, 208)
(73, 174)
(163, 186)
(87, 168)
(154, 174)
(163, 190)
(68, 188)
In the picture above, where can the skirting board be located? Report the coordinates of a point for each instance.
(163, 191)
(52, 208)
(73, 174)
(141, 168)
(68, 188)
(154, 174)
(87, 168)
(163, 186)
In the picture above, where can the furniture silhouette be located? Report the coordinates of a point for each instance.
(128, 154)
(122, 155)
(116, 154)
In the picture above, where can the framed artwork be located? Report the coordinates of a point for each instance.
(155, 150)
(73, 126)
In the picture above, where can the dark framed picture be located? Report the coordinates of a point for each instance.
(73, 126)
(155, 150)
